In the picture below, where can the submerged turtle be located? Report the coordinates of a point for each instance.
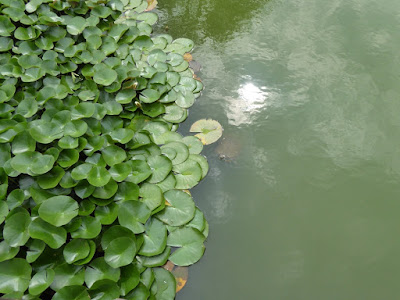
(228, 148)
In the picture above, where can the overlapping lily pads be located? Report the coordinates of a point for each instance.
(92, 169)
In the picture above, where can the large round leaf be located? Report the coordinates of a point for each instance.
(165, 283)
(151, 195)
(155, 238)
(188, 174)
(120, 252)
(98, 176)
(75, 250)
(181, 209)
(161, 167)
(104, 75)
(209, 130)
(15, 275)
(88, 229)
(99, 270)
(113, 155)
(67, 275)
(72, 293)
(15, 231)
(53, 236)
(41, 281)
(191, 249)
(59, 210)
(133, 215)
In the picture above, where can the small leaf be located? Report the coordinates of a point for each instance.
(104, 75)
(41, 281)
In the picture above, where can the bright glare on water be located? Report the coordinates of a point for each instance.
(306, 205)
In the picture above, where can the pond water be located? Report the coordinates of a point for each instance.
(307, 205)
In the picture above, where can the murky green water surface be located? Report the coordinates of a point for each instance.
(309, 95)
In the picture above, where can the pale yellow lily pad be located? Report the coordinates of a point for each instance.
(151, 4)
(209, 130)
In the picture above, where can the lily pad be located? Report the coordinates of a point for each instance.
(58, 210)
(209, 130)
(180, 211)
(133, 215)
(191, 249)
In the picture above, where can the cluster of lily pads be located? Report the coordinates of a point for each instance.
(93, 175)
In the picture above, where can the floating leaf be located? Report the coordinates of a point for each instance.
(58, 210)
(41, 281)
(53, 236)
(181, 209)
(15, 275)
(191, 249)
(15, 231)
(209, 130)
(133, 215)
(99, 270)
(155, 238)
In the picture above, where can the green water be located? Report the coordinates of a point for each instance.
(309, 208)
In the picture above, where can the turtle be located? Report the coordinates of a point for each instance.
(228, 148)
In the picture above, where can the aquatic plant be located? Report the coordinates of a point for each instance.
(94, 176)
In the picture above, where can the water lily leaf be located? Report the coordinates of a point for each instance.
(180, 211)
(27, 108)
(104, 75)
(129, 278)
(67, 275)
(72, 292)
(127, 191)
(58, 210)
(165, 282)
(155, 238)
(21, 162)
(140, 292)
(198, 222)
(41, 281)
(133, 215)
(188, 174)
(155, 261)
(140, 171)
(35, 249)
(15, 231)
(161, 167)
(6, 26)
(106, 191)
(122, 135)
(202, 161)
(7, 252)
(15, 275)
(88, 258)
(209, 130)
(81, 172)
(120, 252)
(181, 275)
(53, 236)
(3, 211)
(194, 144)
(149, 95)
(83, 110)
(174, 113)
(168, 183)
(181, 150)
(86, 207)
(191, 242)
(75, 25)
(68, 142)
(113, 155)
(14, 199)
(151, 195)
(51, 178)
(75, 128)
(23, 34)
(125, 96)
(98, 176)
(99, 270)
(120, 172)
(41, 163)
(106, 214)
(89, 228)
(45, 132)
(105, 290)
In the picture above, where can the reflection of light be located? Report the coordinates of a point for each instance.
(251, 100)
(252, 96)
